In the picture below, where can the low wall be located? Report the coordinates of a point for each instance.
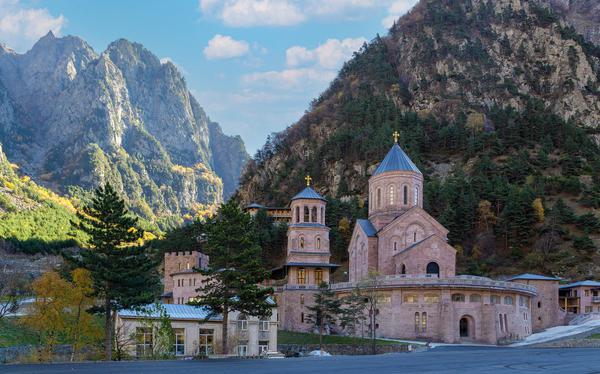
(340, 349)
(29, 353)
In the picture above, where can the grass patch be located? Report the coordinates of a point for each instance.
(11, 333)
(289, 337)
(594, 336)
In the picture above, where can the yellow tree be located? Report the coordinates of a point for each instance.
(47, 315)
(83, 327)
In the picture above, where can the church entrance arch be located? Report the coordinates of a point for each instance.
(466, 328)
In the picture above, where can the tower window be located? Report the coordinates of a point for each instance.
(297, 214)
(302, 242)
(379, 198)
(391, 195)
(405, 195)
(318, 243)
(318, 276)
(416, 195)
(322, 215)
(314, 214)
(306, 215)
(301, 276)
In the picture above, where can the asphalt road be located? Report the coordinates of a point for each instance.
(445, 360)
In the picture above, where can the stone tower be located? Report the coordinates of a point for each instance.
(395, 187)
(308, 253)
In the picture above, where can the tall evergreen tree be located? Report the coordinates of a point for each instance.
(235, 268)
(124, 273)
(324, 311)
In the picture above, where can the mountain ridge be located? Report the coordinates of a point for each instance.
(120, 116)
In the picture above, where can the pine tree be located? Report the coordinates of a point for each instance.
(324, 311)
(124, 274)
(235, 269)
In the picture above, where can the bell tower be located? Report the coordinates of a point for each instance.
(308, 239)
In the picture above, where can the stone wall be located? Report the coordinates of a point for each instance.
(341, 349)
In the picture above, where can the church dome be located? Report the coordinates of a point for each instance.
(396, 160)
(308, 194)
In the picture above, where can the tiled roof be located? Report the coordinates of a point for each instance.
(308, 193)
(367, 227)
(586, 283)
(396, 160)
(528, 276)
(174, 311)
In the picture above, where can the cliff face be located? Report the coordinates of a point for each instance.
(72, 118)
(446, 59)
(584, 15)
(230, 160)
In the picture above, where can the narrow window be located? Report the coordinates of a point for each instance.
(263, 325)
(314, 214)
(501, 322)
(416, 195)
(297, 214)
(302, 317)
(391, 195)
(423, 322)
(301, 276)
(318, 276)
(301, 299)
(242, 322)
(302, 242)
(415, 237)
(505, 323)
(379, 198)
(179, 342)
(403, 269)
(306, 215)
(395, 246)
(405, 195)
(417, 322)
(322, 215)
(318, 243)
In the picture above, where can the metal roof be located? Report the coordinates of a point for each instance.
(313, 264)
(255, 206)
(367, 227)
(528, 276)
(396, 160)
(174, 311)
(308, 193)
(586, 283)
(306, 224)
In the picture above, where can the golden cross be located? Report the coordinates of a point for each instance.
(308, 179)
(396, 135)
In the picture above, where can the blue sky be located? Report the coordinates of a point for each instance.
(254, 65)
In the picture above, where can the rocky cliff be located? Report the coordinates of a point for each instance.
(583, 15)
(72, 119)
(496, 101)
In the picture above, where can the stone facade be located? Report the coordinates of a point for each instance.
(404, 254)
(176, 262)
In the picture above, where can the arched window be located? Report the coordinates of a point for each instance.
(417, 322)
(301, 299)
(475, 298)
(423, 322)
(318, 243)
(403, 269)
(431, 298)
(318, 276)
(302, 242)
(458, 297)
(187, 266)
(314, 214)
(414, 237)
(391, 194)
(416, 195)
(306, 215)
(501, 322)
(508, 300)
(395, 246)
(301, 276)
(242, 322)
(379, 198)
(322, 215)
(405, 197)
(297, 214)
(433, 269)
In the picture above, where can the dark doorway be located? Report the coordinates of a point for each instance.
(433, 269)
(464, 327)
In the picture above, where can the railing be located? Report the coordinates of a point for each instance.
(460, 281)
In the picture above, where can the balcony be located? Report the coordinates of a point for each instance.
(596, 299)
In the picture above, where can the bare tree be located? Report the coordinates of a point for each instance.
(373, 296)
(12, 286)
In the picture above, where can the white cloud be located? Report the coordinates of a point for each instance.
(339, 7)
(20, 26)
(290, 78)
(329, 55)
(222, 47)
(396, 10)
(245, 13)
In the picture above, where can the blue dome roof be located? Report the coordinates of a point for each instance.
(308, 193)
(396, 160)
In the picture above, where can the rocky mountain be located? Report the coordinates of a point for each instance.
(72, 119)
(583, 15)
(496, 101)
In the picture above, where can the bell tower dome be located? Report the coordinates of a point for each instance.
(395, 187)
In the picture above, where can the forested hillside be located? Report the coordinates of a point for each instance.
(496, 101)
